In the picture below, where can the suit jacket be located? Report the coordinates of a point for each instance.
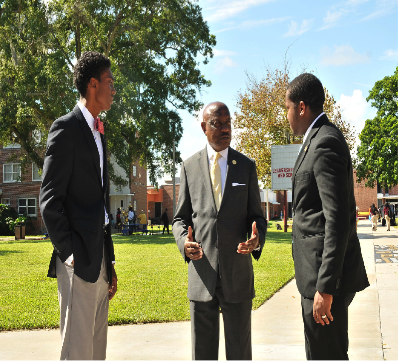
(219, 232)
(72, 197)
(326, 250)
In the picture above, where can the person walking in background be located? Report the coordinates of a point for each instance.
(119, 220)
(131, 215)
(74, 202)
(387, 215)
(374, 216)
(218, 207)
(165, 220)
(326, 251)
(142, 219)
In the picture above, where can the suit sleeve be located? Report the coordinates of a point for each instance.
(255, 213)
(57, 169)
(183, 217)
(330, 170)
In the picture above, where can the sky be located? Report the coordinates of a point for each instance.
(348, 45)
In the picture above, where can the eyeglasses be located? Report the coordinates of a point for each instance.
(218, 125)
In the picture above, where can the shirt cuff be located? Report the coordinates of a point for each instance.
(69, 260)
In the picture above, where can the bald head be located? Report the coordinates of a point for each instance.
(217, 125)
(213, 108)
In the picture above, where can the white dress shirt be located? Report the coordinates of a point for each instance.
(311, 126)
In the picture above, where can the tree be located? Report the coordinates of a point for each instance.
(261, 119)
(153, 46)
(377, 155)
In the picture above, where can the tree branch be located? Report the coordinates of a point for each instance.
(27, 147)
(112, 34)
(79, 13)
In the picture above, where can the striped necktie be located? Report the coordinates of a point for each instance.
(215, 176)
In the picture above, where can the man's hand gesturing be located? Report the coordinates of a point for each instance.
(251, 244)
(193, 250)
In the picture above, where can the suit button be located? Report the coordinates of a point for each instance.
(218, 218)
(337, 283)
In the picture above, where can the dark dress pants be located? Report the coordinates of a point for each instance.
(205, 328)
(328, 342)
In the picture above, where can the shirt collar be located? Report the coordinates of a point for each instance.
(311, 126)
(211, 152)
(87, 115)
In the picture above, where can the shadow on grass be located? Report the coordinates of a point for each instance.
(140, 240)
(278, 237)
(7, 252)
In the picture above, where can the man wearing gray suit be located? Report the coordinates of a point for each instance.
(326, 250)
(218, 208)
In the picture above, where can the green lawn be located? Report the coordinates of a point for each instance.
(152, 280)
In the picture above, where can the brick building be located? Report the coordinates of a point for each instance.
(162, 198)
(21, 191)
(133, 194)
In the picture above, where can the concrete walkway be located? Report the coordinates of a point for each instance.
(277, 330)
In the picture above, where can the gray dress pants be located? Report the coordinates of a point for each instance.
(84, 314)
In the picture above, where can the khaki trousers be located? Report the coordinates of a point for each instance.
(388, 221)
(84, 314)
(375, 218)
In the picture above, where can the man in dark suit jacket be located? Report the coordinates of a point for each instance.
(326, 250)
(211, 225)
(74, 202)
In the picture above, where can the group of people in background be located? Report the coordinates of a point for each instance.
(386, 213)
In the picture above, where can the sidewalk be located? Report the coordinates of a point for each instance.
(277, 330)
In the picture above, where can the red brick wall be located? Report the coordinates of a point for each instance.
(364, 196)
(138, 185)
(168, 199)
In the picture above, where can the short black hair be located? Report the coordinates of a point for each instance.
(308, 89)
(90, 65)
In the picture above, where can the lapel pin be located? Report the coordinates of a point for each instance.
(305, 149)
(234, 161)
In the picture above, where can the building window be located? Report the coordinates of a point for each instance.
(5, 201)
(135, 205)
(27, 206)
(134, 171)
(35, 173)
(11, 173)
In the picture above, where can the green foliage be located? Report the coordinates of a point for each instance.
(153, 46)
(6, 213)
(377, 155)
(152, 280)
(13, 222)
(261, 119)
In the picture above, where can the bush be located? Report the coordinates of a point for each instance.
(6, 212)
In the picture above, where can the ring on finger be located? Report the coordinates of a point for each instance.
(323, 317)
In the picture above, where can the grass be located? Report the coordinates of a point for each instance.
(152, 282)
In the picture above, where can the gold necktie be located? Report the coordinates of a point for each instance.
(215, 176)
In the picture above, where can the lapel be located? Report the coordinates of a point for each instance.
(305, 148)
(231, 170)
(204, 167)
(88, 134)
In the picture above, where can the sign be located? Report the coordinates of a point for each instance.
(283, 158)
